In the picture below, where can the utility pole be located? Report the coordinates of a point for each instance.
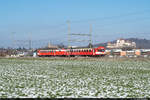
(49, 44)
(68, 22)
(30, 42)
(90, 35)
(13, 40)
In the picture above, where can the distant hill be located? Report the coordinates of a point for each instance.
(140, 43)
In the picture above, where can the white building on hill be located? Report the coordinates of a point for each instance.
(120, 43)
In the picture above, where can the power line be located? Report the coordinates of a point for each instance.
(112, 17)
(78, 34)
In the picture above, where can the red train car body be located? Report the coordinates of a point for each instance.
(99, 51)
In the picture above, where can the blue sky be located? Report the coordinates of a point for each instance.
(45, 20)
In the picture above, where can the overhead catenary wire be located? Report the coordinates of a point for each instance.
(112, 17)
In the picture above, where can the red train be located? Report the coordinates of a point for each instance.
(99, 51)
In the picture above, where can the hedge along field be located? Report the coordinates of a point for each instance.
(77, 78)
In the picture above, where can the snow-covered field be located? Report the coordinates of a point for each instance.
(74, 78)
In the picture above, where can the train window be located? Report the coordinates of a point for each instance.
(45, 51)
(101, 50)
